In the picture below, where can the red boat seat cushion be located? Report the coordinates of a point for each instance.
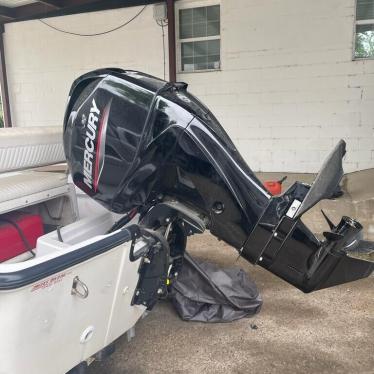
(19, 233)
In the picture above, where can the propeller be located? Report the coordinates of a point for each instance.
(328, 220)
(331, 235)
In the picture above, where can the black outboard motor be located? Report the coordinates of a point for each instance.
(133, 141)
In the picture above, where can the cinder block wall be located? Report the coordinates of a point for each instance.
(287, 91)
(42, 63)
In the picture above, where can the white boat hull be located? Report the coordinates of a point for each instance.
(48, 330)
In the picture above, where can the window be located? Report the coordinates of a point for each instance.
(364, 45)
(199, 36)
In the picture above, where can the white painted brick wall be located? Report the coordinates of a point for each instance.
(42, 63)
(287, 91)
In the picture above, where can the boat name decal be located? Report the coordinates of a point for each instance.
(48, 282)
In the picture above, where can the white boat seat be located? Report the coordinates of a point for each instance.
(30, 147)
(27, 148)
(25, 188)
(21, 184)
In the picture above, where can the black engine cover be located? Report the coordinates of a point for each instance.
(107, 134)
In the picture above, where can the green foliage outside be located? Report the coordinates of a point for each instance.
(365, 44)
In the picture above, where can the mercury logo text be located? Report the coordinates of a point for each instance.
(91, 131)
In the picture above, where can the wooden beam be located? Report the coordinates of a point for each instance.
(32, 11)
(42, 10)
(59, 4)
(3, 19)
(71, 3)
(4, 82)
(53, 4)
(7, 13)
(171, 38)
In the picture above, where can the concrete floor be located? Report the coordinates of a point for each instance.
(329, 331)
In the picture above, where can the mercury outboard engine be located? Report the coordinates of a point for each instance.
(135, 143)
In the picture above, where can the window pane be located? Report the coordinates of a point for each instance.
(213, 28)
(199, 15)
(200, 48)
(213, 62)
(199, 30)
(213, 47)
(187, 64)
(199, 22)
(213, 13)
(185, 31)
(364, 41)
(185, 23)
(201, 55)
(365, 9)
(213, 58)
(187, 49)
(201, 62)
(201, 66)
(185, 16)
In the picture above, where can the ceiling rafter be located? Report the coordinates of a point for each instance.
(7, 13)
(54, 8)
(33, 9)
(54, 4)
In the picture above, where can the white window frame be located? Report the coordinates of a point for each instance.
(190, 4)
(358, 23)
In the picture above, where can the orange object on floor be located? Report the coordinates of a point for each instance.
(274, 187)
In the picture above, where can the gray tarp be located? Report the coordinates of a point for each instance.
(206, 293)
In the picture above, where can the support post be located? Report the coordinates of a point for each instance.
(4, 82)
(171, 38)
